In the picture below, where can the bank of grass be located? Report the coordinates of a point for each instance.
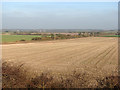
(18, 77)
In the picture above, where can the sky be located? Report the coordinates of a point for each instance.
(59, 15)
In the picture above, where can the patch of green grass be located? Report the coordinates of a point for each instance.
(112, 36)
(14, 38)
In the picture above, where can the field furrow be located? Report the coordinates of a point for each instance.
(93, 55)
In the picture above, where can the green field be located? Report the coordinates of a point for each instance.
(14, 38)
(112, 36)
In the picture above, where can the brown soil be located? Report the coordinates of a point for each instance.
(97, 56)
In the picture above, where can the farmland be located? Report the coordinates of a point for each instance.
(30, 38)
(14, 38)
(95, 56)
(112, 36)
(11, 37)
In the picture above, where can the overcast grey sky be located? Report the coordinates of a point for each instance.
(60, 15)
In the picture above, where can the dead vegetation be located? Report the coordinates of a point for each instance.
(18, 77)
(109, 82)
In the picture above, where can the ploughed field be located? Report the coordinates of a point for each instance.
(97, 56)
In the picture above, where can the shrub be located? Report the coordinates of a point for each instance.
(36, 38)
(22, 40)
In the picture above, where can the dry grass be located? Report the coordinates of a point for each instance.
(109, 82)
(13, 76)
(18, 77)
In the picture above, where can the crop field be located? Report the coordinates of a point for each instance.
(112, 36)
(95, 56)
(14, 38)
